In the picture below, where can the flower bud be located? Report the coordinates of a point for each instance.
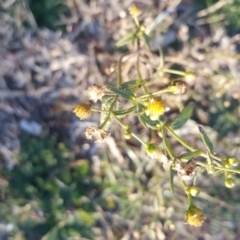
(194, 216)
(127, 134)
(83, 111)
(229, 183)
(155, 108)
(232, 161)
(154, 151)
(178, 87)
(194, 191)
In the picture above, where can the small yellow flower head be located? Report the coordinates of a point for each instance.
(96, 93)
(195, 217)
(178, 87)
(100, 134)
(83, 111)
(154, 151)
(155, 108)
(134, 11)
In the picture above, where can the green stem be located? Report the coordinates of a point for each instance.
(119, 122)
(190, 200)
(179, 139)
(119, 72)
(166, 144)
(161, 58)
(189, 147)
(98, 110)
(174, 72)
(165, 90)
(136, 21)
(109, 112)
(140, 140)
(228, 169)
(133, 134)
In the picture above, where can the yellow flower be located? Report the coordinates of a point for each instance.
(195, 217)
(100, 134)
(96, 93)
(83, 111)
(178, 87)
(155, 108)
(134, 11)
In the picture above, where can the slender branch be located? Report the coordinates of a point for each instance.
(109, 112)
(166, 144)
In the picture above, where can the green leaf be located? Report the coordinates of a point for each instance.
(189, 155)
(125, 111)
(171, 172)
(146, 39)
(126, 39)
(183, 117)
(206, 139)
(125, 93)
(134, 84)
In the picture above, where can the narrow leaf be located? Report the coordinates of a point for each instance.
(106, 104)
(125, 111)
(206, 139)
(125, 93)
(171, 172)
(189, 155)
(151, 124)
(134, 84)
(126, 39)
(183, 117)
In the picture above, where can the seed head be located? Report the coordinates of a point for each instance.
(155, 108)
(178, 87)
(186, 170)
(99, 134)
(83, 111)
(96, 93)
(195, 217)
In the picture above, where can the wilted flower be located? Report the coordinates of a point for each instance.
(155, 108)
(186, 170)
(100, 135)
(178, 87)
(83, 110)
(96, 93)
(134, 11)
(194, 216)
